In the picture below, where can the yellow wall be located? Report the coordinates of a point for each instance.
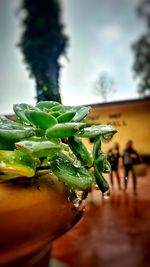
(131, 119)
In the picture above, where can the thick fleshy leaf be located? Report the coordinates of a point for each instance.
(60, 108)
(16, 135)
(97, 130)
(102, 163)
(17, 162)
(76, 177)
(63, 130)
(81, 113)
(66, 117)
(47, 105)
(96, 147)
(39, 148)
(80, 151)
(5, 123)
(40, 119)
(6, 144)
(19, 111)
(55, 114)
(100, 180)
(11, 131)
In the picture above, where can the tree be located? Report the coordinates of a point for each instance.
(42, 43)
(104, 86)
(141, 50)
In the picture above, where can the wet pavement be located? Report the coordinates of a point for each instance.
(113, 232)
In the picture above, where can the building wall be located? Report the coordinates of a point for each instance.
(130, 118)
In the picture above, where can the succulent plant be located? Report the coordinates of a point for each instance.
(50, 136)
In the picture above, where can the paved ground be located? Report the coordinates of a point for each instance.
(114, 232)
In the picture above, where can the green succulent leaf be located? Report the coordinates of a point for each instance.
(96, 147)
(81, 113)
(6, 145)
(102, 164)
(99, 162)
(76, 177)
(59, 108)
(66, 117)
(64, 130)
(55, 113)
(16, 135)
(80, 151)
(5, 123)
(47, 105)
(11, 131)
(40, 119)
(17, 163)
(39, 149)
(97, 130)
(19, 111)
(100, 180)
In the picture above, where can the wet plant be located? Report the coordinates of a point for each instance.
(49, 137)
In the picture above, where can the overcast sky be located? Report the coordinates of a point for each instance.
(101, 34)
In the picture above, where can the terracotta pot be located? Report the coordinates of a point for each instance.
(32, 215)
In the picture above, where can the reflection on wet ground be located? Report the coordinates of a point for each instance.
(114, 232)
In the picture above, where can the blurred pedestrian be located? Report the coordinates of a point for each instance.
(130, 158)
(114, 157)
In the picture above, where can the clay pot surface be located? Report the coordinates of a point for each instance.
(32, 215)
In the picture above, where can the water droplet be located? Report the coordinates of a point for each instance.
(2, 164)
(106, 137)
(106, 195)
(77, 202)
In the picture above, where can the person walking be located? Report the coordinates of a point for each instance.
(113, 157)
(130, 158)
